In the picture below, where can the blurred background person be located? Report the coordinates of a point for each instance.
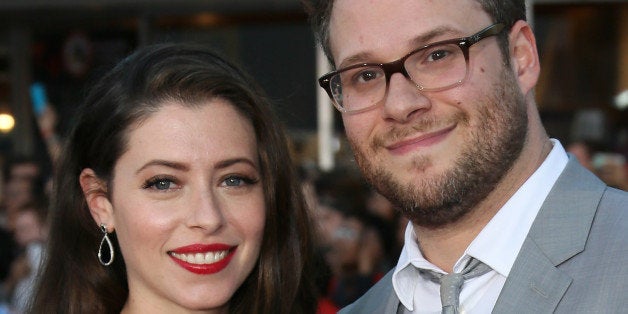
(22, 211)
(23, 183)
(30, 233)
(611, 168)
(608, 164)
(351, 236)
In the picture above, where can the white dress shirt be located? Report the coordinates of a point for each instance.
(497, 245)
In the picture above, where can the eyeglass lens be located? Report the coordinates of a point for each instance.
(434, 67)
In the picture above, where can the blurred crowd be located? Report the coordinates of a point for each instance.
(25, 190)
(23, 229)
(359, 238)
(607, 163)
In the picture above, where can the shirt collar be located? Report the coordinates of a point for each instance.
(406, 273)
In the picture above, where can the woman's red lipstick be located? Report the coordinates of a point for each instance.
(203, 259)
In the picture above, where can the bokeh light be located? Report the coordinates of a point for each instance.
(6, 122)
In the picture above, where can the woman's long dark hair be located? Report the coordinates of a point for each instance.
(73, 281)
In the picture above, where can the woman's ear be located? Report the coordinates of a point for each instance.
(95, 193)
(524, 56)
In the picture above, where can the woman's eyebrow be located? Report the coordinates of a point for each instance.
(228, 162)
(164, 163)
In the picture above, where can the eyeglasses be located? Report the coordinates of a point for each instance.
(434, 67)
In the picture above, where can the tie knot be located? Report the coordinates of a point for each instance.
(450, 284)
(453, 280)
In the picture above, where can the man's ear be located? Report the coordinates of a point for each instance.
(95, 193)
(524, 56)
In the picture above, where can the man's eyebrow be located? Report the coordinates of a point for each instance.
(419, 41)
(355, 59)
(428, 38)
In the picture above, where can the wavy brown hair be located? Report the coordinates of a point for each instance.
(73, 281)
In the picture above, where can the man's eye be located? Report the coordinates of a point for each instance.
(437, 55)
(368, 75)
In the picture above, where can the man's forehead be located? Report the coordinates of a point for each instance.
(358, 32)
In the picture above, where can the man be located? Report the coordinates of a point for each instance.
(437, 100)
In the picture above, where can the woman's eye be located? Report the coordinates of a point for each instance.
(237, 181)
(160, 184)
(233, 181)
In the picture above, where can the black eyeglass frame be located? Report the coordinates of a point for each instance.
(397, 66)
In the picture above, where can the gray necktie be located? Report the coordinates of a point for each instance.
(450, 284)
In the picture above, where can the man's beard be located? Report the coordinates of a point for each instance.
(483, 161)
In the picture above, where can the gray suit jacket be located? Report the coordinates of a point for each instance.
(574, 259)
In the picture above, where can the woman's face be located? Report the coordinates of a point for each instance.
(188, 208)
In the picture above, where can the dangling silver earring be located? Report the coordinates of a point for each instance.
(105, 239)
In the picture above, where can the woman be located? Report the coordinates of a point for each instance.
(173, 194)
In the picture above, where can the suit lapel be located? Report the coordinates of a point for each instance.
(534, 285)
(560, 231)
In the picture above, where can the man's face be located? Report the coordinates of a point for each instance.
(434, 154)
(28, 227)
